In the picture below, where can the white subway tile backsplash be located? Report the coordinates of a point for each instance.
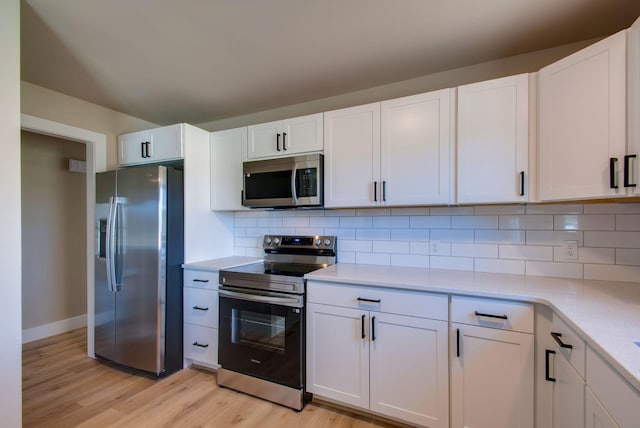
(628, 222)
(526, 252)
(515, 267)
(560, 270)
(612, 239)
(453, 263)
(584, 222)
(528, 222)
(474, 222)
(627, 256)
(518, 239)
(500, 236)
(474, 250)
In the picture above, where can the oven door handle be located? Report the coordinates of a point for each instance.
(295, 302)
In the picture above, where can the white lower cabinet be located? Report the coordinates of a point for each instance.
(596, 416)
(200, 305)
(491, 364)
(393, 365)
(568, 393)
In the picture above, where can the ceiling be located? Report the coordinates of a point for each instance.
(169, 61)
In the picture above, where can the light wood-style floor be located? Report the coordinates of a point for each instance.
(62, 387)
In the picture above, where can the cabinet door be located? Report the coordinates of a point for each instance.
(131, 148)
(338, 354)
(596, 416)
(582, 122)
(302, 134)
(166, 143)
(633, 149)
(493, 141)
(201, 345)
(568, 395)
(415, 159)
(409, 369)
(491, 378)
(226, 169)
(264, 140)
(352, 156)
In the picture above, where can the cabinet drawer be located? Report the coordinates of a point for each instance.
(620, 399)
(201, 279)
(501, 314)
(562, 333)
(201, 344)
(201, 307)
(403, 302)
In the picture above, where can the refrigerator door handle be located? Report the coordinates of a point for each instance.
(110, 244)
(117, 263)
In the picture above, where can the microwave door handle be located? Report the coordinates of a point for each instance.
(294, 190)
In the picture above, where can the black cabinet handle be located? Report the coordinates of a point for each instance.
(547, 376)
(556, 337)
(627, 171)
(375, 191)
(206, 345)
(458, 342)
(200, 280)
(362, 326)
(612, 173)
(278, 142)
(373, 328)
(142, 149)
(521, 183)
(363, 299)
(200, 308)
(384, 191)
(284, 141)
(502, 317)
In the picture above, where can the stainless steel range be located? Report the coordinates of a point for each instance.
(262, 319)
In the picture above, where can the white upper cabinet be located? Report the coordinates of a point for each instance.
(153, 145)
(285, 137)
(631, 169)
(352, 156)
(393, 153)
(582, 123)
(493, 141)
(415, 149)
(226, 169)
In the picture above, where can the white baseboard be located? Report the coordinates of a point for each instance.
(51, 329)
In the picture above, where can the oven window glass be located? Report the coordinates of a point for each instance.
(264, 331)
(268, 185)
(307, 182)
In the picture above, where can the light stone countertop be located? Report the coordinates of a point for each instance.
(606, 314)
(222, 263)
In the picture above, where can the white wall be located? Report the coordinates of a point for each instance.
(10, 313)
(515, 239)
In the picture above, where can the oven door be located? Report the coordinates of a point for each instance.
(261, 335)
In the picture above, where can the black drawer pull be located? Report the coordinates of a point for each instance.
(362, 299)
(556, 337)
(200, 280)
(547, 375)
(502, 317)
(362, 326)
(200, 308)
(206, 345)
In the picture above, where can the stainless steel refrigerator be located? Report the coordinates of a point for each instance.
(138, 276)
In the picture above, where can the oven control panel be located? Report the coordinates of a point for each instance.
(301, 242)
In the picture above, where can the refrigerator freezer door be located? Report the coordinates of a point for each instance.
(105, 299)
(141, 265)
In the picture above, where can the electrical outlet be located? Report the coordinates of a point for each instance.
(434, 247)
(570, 250)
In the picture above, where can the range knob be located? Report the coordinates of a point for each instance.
(327, 242)
(267, 240)
(276, 241)
(318, 242)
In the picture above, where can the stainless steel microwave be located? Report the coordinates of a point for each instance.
(289, 182)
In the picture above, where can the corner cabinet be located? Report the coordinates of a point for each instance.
(200, 318)
(583, 123)
(493, 141)
(285, 137)
(361, 353)
(491, 363)
(394, 153)
(631, 166)
(151, 146)
(226, 169)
